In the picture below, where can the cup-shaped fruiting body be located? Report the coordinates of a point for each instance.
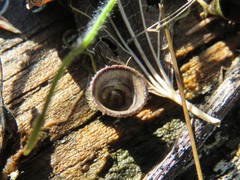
(118, 91)
(228, 9)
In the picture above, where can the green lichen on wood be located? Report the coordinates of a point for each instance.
(170, 131)
(124, 166)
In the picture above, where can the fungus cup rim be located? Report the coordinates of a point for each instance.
(95, 104)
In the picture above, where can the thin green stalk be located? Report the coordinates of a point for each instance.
(87, 39)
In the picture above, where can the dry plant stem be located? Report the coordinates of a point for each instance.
(173, 17)
(183, 100)
(159, 84)
(83, 43)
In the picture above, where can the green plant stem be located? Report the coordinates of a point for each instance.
(87, 39)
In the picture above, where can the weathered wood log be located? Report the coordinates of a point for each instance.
(77, 143)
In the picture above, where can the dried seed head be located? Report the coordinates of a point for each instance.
(118, 91)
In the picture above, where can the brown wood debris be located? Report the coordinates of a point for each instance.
(76, 142)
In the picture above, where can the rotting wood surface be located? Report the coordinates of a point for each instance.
(77, 143)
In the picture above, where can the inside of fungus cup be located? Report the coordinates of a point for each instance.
(117, 94)
(115, 90)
